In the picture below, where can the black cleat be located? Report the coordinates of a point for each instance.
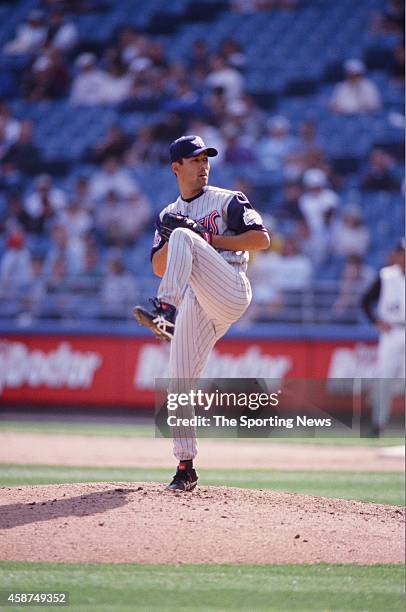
(160, 319)
(184, 479)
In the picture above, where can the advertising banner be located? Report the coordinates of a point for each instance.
(120, 371)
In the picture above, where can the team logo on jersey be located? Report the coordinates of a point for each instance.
(209, 222)
(251, 217)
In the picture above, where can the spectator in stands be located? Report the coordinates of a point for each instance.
(67, 249)
(276, 145)
(288, 207)
(238, 150)
(61, 34)
(112, 177)
(57, 278)
(223, 75)
(397, 64)
(217, 106)
(91, 83)
(356, 94)
(380, 172)
(45, 200)
(148, 87)
(233, 53)
(151, 142)
(131, 45)
(48, 78)
(200, 56)
(185, 101)
(81, 193)
(308, 152)
(23, 154)
(118, 84)
(118, 292)
(31, 35)
(34, 294)
(9, 124)
(349, 235)
(392, 18)
(355, 279)
(276, 276)
(15, 266)
(113, 144)
(317, 205)
(120, 220)
(16, 217)
(4, 144)
(75, 219)
(92, 268)
(156, 53)
(244, 115)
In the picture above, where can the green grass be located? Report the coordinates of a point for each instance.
(87, 429)
(384, 487)
(200, 588)
(148, 431)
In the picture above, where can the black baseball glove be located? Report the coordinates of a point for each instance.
(171, 221)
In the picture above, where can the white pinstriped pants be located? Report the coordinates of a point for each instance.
(210, 294)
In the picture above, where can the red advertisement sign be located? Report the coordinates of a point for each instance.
(114, 371)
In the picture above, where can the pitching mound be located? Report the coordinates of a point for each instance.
(144, 523)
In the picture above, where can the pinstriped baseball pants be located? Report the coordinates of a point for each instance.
(210, 294)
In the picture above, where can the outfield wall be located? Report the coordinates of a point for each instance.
(117, 370)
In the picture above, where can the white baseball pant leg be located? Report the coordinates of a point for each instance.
(210, 294)
(390, 365)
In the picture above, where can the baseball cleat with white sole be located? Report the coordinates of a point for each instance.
(160, 319)
(184, 479)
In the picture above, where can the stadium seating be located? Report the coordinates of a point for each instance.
(293, 60)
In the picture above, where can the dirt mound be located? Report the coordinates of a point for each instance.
(144, 523)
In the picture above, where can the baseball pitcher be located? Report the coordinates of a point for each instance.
(200, 250)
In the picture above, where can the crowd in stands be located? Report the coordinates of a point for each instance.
(57, 236)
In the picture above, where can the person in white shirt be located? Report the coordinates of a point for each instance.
(75, 219)
(349, 235)
(317, 205)
(62, 34)
(356, 94)
(224, 76)
(91, 84)
(11, 126)
(121, 220)
(45, 196)
(112, 177)
(388, 292)
(274, 276)
(31, 35)
(277, 144)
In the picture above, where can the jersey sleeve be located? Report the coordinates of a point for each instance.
(241, 216)
(158, 241)
(370, 298)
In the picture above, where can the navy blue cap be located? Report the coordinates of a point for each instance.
(189, 146)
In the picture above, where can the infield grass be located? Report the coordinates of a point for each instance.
(382, 487)
(200, 588)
